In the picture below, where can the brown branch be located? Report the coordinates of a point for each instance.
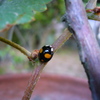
(32, 82)
(37, 71)
(62, 39)
(88, 46)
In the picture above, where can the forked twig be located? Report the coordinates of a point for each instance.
(36, 73)
(38, 69)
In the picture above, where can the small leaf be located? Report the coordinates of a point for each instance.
(19, 11)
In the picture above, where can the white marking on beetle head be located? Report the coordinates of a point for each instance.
(51, 49)
(46, 45)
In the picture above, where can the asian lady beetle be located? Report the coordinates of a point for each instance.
(45, 53)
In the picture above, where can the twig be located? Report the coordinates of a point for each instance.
(91, 4)
(88, 46)
(32, 82)
(36, 73)
(38, 69)
(20, 48)
(61, 40)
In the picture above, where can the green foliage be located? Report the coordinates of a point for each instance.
(19, 11)
(1, 71)
(37, 28)
(55, 10)
(85, 1)
(13, 61)
(15, 58)
(4, 52)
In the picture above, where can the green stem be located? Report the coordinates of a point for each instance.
(21, 49)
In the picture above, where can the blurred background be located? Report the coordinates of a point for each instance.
(46, 28)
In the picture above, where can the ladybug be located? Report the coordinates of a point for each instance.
(45, 53)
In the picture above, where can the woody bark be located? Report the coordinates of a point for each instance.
(89, 50)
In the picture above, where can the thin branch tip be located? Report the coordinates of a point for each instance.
(18, 47)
